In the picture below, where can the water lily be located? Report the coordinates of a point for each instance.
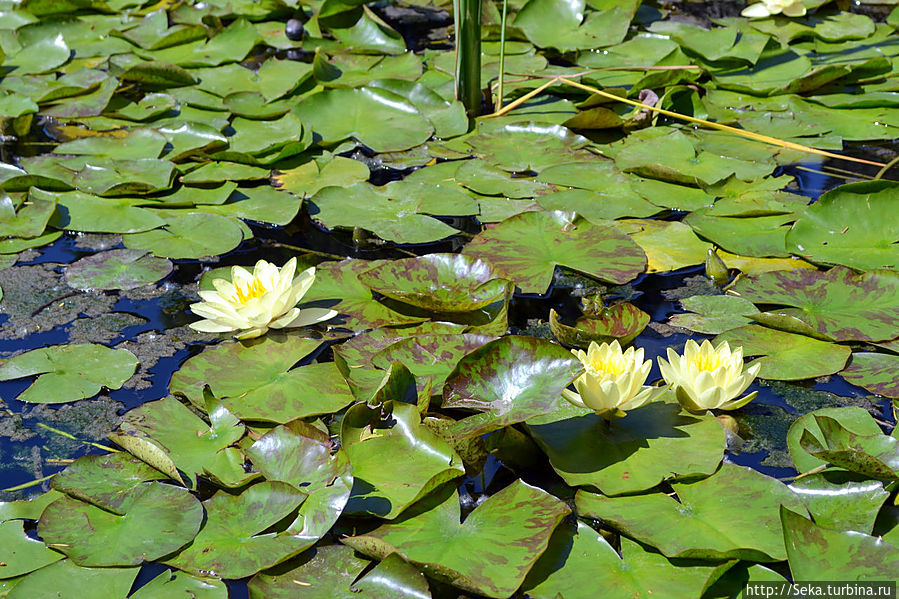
(708, 378)
(253, 303)
(613, 382)
(766, 8)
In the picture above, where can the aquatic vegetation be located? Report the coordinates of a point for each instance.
(767, 8)
(252, 303)
(709, 377)
(613, 381)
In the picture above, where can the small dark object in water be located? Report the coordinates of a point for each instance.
(293, 29)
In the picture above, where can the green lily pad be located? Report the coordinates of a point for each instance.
(508, 380)
(77, 211)
(840, 501)
(839, 303)
(39, 57)
(395, 460)
(28, 219)
(69, 372)
(106, 481)
(189, 235)
(438, 282)
(65, 578)
(341, 113)
(853, 419)
(232, 543)
(816, 553)
(194, 446)
(176, 584)
(526, 248)
(651, 444)
(217, 172)
(156, 520)
(875, 456)
(622, 321)
(325, 478)
(324, 572)
(357, 309)
(308, 179)
(877, 373)
(785, 356)
(734, 514)
(262, 204)
(669, 245)
(510, 530)
(28, 509)
(481, 177)
(579, 559)
(759, 236)
(366, 207)
(155, 74)
(22, 554)
(850, 225)
(713, 314)
(525, 146)
(131, 144)
(117, 269)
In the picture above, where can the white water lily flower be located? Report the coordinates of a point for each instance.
(766, 8)
(708, 378)
(254, 303)
(613, 382)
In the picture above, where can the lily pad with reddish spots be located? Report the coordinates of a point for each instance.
(519, 147)
(430, 357)
(438, 282)
(117, 269)
(854, 419)
(490, 553)
(874, 456)
(509, 380)
(839, 303)
(527, 247)
(621, 321)
(877, 373)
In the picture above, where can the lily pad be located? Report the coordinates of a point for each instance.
(839, 303)
(525, 146)
(510, 530)
(669, 245)
(438, 282)
(622, 321)
(69, 372)
(189, 235)
(853, 419)
(850, 225)
(509, 380)
(651, 444)
(841, 501)
(579, 558)
(176, 584)
(106, 481)
(341, 113)
(877, 373)
(785, 356)
(734, 514)
(79, 211)
(232, 542)
(526, 248)
(713, 314)
(22, 554)
(65, 578)
(156, 520)
(875, 456)
(117, 269)
(816, 552)
(324, 572)
(27, 220)
(395, 459)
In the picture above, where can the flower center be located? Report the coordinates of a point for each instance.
(707, 363)
(614, 366)
(255, 288)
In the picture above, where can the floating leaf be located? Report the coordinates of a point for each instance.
(509, 380)
(785, 356)
(156, 520)
(308, 179)
(525, 146)
(79, 211)
(838, 303)
(65, 578)
(231, 543)
(713, 314)
(69, 372)
(527, 247)
(854, 419)
(29, 219)
(22, 554)
(324, 572)
(850, 225)
(622, 321)
(652, 444)
(840, 501)
(877, 373)
(875, 456)
(395, 460)
(117, 269)
(669, 245)
(438, 282)
(106, 481)
(510, 530)
(176, 584)
(732, 514)
(189, 235)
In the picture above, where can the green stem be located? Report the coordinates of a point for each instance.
(502, 58)
(467, 16)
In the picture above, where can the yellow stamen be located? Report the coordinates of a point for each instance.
(614, 366)
(707, 363)
(255, 288)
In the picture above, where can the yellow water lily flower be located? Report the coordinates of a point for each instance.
(253, 303)
(766, 8)
(613, 382)
(708, 378)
